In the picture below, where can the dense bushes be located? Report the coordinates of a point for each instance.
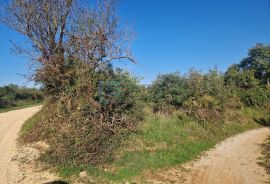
(209, 97)
(12, 95)
(195, 93)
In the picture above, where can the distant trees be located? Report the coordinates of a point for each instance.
(12, 95)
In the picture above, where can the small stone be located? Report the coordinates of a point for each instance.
(83, 174)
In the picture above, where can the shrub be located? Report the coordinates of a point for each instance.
(86, 128)
(169, 91)
(256, 96)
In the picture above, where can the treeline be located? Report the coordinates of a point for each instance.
(214, 96)
(13, 95)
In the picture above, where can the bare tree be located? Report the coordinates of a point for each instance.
(64, 30)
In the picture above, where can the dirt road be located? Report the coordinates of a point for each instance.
(10, 171)
(234, 161)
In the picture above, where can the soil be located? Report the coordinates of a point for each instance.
(233, 161)
(17, 164)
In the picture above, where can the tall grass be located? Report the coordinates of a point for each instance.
(162, 141)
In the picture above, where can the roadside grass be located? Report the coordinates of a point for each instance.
(161, 141)
(265, 160)
(29, 124)
(21, 105)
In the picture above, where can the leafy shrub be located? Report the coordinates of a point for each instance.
(202, 96)
(256, 96)
(169, 91)
(195, 83)
(208, 102)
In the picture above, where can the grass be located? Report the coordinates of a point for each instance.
(161, 142)
(29, 124)
(266, 156)
(20, 105)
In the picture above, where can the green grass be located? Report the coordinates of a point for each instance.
(20, 105)
(161, 142)
(29, 124)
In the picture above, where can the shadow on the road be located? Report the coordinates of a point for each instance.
(265, 159)
(263, 121)
(57, 182)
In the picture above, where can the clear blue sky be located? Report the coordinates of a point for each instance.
(174, 35)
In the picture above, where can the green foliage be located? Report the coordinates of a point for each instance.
(119, 93)
(258, 61)
(241, 79)
(214, 86)
(169, 91)
(250, 79)
(31, 122)
(195, 83)
(91, 116)
(21, 105)
(13, 95)
(161, 141)
(256, 96)
(201, 96)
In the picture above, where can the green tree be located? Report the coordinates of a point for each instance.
(250, 78)
(252, 70)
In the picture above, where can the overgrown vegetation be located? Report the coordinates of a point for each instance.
(162, 141)
(265, 160)
(91, 106)
(183, 116)
(188, 115)
(14, 97)
(94, 118)
(90, 134)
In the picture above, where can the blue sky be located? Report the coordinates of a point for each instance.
(173, 35)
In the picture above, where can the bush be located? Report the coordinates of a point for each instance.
(256, 96)
(86, 128)
(169, 91)
(204, 97)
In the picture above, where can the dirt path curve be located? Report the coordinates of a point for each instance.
(234, 161)
(10, 123)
